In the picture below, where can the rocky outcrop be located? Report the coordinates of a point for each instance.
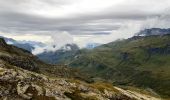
(27, 91)
(24, 63)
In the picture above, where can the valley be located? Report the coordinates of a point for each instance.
(140, 61)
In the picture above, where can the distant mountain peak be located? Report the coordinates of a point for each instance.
(153, 31)
(92, 45)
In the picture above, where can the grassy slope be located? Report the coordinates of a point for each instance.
(139, 61)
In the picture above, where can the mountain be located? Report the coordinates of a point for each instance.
(153, 31)
(92, 45)
(140, 61)
(59, 55)
(24, 77)
(27, 45)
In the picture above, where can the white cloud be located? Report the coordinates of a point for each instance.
(55, 43)
(29, 37)
(125, 31)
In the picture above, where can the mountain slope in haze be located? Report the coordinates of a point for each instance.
(27, 45)
(24, 77)
(141, 61)
(60, 55)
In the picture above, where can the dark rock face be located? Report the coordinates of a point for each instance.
(24, 63)
(2, 42)
(159, 50)
(125, 56)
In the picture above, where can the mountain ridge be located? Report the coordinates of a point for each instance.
(27, 45)
(153, 31)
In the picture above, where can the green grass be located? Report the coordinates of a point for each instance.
(137, 62)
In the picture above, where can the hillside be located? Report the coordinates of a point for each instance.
(24, 59)
(137, 61)
(24, 77)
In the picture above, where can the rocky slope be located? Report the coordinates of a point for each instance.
(19, 84)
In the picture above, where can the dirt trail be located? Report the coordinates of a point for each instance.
(136, 95)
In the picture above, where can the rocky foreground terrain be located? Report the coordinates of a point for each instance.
(24, 77)
(19, 84)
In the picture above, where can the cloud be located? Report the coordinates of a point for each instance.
(124, 32)
(55, 43)
(80, 21)
(28, 37)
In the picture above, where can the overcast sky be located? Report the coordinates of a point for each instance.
(80, 21)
